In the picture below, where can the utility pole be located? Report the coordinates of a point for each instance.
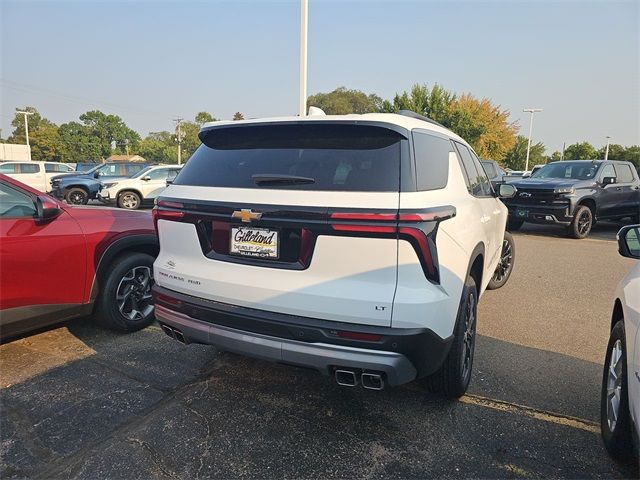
(531, 111)
(564, 145)
(304, 22)
(179, 137)
(26, 128)
(606, 152)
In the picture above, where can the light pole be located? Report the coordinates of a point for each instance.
(531, 111)
(304, 22)
(606, 151)
(26, 128)
(179, 138)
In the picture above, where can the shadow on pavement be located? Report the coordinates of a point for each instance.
(143, 405)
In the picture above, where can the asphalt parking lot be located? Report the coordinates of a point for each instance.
(80, 402)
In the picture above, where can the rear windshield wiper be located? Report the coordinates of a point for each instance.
(262, 179)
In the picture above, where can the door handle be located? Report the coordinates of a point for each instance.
(618, 188)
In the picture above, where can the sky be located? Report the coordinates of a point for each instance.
(151, 61)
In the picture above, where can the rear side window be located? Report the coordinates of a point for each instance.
(8, 168)
(28, 168)
(131, 170)
(477, 181)
(624, 173)
(56, 167)
(432, 161)
(308, 156)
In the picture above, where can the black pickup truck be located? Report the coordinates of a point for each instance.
(576, 194)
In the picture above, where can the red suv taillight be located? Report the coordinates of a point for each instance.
(163, 211)
(418, 228)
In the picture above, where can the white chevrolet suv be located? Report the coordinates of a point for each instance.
(357, 245)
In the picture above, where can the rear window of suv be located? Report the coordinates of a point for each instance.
(324, 156)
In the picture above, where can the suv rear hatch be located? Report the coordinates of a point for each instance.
(291, 217)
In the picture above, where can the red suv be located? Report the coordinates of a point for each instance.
(59, 262)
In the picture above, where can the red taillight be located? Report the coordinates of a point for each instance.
(365, 228)
(358, 220)
(371, 217)
(411, 226)
(160, 212)
(423, 250)
(367, 337)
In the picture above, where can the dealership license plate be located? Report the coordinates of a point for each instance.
(522, 213)
(254, 242)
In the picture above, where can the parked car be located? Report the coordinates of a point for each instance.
(494, 171)
(37, 175)
(576, 194)
(620, 396)
(328, 242)
(79, 188)
(143, 187)
(60, 262)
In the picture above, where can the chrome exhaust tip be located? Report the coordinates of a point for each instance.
(168, 330)
(179, 336)
(372, 381)
(346, 378)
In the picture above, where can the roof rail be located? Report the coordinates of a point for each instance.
(412, 114)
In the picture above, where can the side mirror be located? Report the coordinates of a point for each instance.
(146, 178)
(629, 241)
(608, 180)
(47, 209)
(96, 174)
(506, 190)
(169, 182)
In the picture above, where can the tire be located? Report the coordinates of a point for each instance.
(76, 196)
(505, 266)
(452, 378)
(514, 225)
(582, 223)
(129, 200)
(117, 305)
(616, 434)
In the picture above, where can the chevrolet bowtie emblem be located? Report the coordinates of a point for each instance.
(246, 215)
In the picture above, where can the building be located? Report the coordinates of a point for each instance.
(13, 152)
(126, 158)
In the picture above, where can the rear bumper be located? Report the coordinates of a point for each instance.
(400, 354)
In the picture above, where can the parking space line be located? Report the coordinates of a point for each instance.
(551, 417)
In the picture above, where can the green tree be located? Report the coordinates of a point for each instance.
(581, 151)
(44, 139)
(190, 139)
(344, 101)
(79, 145)
(46, 144)
(111, 131)
(517, 156)
(632, 154)
(158, 147)
(432, 103)
(35, 121)
(615, 152)
(483, 125)
(238, 116)
(204, 117)
(555, 156)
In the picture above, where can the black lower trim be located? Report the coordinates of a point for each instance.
(421, 346)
